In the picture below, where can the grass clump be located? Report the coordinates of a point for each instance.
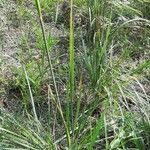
(98, 97)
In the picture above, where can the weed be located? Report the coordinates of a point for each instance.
(97, 98)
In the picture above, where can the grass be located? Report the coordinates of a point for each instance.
(95, 95)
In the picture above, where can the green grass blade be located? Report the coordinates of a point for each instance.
(31, 96)
(72, 76)
(47, 51)
(140, 68)
(97, 131)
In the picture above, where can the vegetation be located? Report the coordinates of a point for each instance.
(87, 89)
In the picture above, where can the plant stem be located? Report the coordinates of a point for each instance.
(72, 80)
(47, 51)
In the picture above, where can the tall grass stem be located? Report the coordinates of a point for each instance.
(72, 77)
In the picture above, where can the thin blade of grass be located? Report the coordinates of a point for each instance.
(31, 95)
(97, 131)
(37, 2)
(72, 76)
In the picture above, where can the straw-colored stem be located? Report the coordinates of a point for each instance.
(47, 51)
(71, 63)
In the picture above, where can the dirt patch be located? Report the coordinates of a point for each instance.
(9, 33)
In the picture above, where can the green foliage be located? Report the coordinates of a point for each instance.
(47, 5)
(102, 105)
(18, 134)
